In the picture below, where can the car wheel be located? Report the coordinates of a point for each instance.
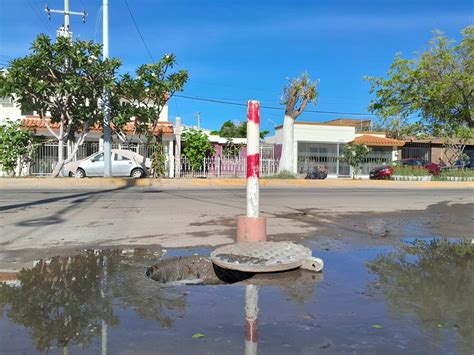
(80, 173)
(137, 173)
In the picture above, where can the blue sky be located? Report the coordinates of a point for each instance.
(240, 50)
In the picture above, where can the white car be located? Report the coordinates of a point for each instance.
(124, 163)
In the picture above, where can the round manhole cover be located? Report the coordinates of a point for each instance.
(260, 257)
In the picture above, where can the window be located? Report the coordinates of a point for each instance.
(99, 157)
(118, 157)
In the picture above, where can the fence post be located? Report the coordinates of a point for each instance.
(171, 159)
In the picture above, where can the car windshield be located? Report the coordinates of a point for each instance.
(98, 157)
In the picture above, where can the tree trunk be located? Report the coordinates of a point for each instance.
(59, 166)
(287, 154)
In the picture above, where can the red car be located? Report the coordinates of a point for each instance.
(381, 172)
(384, 172)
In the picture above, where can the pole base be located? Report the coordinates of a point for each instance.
(251, 229)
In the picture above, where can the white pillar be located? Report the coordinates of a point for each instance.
(171, 159)
(394, 153)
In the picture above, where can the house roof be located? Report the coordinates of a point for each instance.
(35, 122)
(377, 141)
(436, 140)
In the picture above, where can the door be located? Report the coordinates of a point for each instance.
(121, 166)
(95, 166)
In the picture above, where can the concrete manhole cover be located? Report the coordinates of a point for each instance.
(261, 257)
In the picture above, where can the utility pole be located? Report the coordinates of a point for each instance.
(199, 120)
(107, 133)
(65, 30)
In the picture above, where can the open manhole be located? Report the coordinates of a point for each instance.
(200, 270)
(193, 270)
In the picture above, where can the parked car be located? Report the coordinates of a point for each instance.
(464, 163)
(124, 163)
(386, 171)
(381, 172)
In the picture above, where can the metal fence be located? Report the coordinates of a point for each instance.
(416, 151)
(221, 167)
(335, 165)
(44, 159)
(375, 159)
(45, 155)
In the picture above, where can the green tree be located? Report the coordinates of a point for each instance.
(16, 145)
(399, 129)
(65, 80)
(230, 129)
(437, 86)
(145, 97)
(296, 96)
(196, 147)
(453, 147)
(354, 155)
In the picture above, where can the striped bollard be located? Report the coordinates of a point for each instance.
(252, 227)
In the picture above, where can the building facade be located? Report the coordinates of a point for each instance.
(322, 144)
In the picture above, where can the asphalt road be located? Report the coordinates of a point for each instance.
(51, 221)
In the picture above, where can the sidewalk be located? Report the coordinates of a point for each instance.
(62, 183)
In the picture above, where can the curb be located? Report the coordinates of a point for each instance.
(61, 183)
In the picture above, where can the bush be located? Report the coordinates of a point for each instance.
(354, 155)
(409, 171)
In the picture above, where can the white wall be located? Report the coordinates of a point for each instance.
(322, 133)
(164, 114)
(9, 110)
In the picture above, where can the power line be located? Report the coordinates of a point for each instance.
(40, 18)
(268, 107)
(139, 32)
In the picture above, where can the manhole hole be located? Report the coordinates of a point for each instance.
(193, 270)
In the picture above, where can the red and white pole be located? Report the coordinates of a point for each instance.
(252, 228)
(253, 158)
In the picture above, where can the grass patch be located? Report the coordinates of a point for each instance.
(459, 174)
(282, 175)
(409, 171)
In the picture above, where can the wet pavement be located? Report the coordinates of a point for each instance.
(416, 298)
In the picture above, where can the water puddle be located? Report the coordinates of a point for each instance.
(412, 299)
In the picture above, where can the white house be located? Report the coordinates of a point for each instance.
(322, 144)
